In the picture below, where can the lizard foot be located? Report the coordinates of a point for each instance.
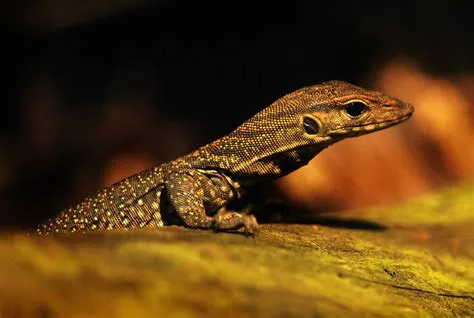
(230, 221)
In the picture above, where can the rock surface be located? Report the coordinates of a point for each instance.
(415, 259)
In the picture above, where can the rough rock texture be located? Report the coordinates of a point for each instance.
(415, 259)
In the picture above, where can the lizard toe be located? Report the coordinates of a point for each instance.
(230, 221)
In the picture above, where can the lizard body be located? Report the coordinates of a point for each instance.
(195, 189)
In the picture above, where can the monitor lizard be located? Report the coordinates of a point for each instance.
(194, 190)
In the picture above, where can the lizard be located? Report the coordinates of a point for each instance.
(195, 189)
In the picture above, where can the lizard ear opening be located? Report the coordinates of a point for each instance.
(311, 126)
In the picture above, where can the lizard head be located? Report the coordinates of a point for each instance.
(290, 132)
(336, 110)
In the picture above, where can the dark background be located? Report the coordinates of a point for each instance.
(95, 91)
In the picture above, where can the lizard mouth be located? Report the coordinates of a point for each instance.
(382, 124)
(352, 131)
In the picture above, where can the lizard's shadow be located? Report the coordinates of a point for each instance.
(303, 216)
(280, 211)
(336, 222)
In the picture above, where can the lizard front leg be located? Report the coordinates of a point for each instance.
(193, 195)
(231, 221)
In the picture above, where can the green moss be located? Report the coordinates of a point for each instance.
(454, 205)
(423, 268)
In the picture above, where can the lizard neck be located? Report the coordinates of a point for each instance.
(249, 160)
(267, 146)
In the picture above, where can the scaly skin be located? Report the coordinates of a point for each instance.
(195, 189)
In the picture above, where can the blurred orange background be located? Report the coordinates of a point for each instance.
(99, 90)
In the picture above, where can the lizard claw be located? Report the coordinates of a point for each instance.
(250, 225)
(230, 221)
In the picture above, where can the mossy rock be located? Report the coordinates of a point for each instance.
(415, 259)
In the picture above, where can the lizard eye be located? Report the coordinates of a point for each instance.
(355, 109)
(311, 126)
